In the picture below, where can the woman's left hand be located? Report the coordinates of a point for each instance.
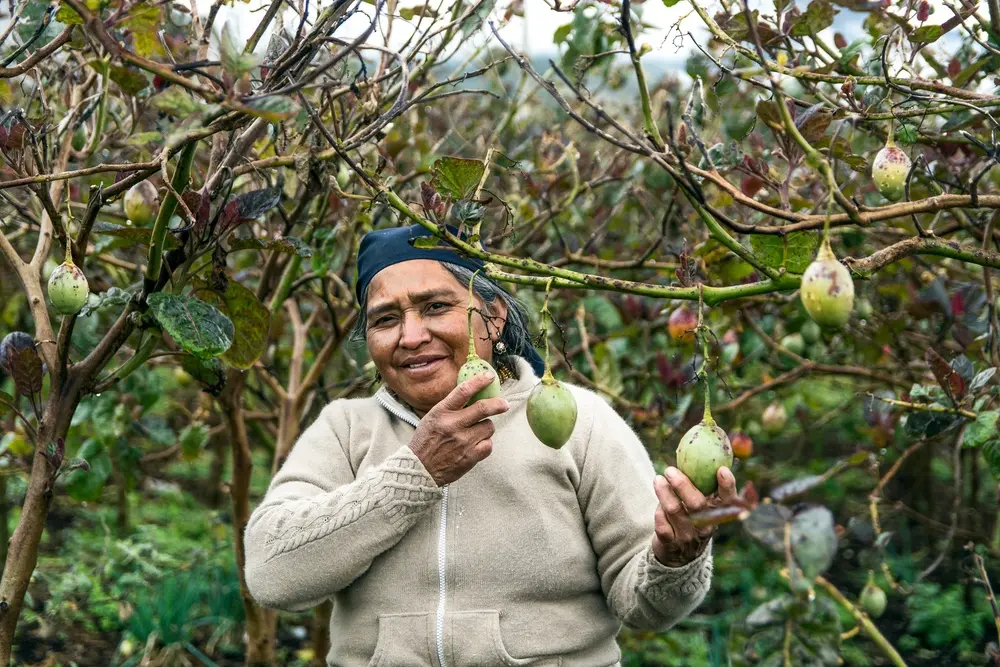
(676, 540)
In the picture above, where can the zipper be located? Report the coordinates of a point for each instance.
(390, 404)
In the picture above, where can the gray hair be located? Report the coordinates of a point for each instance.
(515, 336)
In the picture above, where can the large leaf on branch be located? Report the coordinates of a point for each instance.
(271, 109)
(928, 424)
(251, 321)
(814, 540)
(246, 207)
(176, 102)
(234, 60)
(817, 17)
(794, 251)
(196, 326)
(131, 236)
(983, 430)
(144, 20)
(949, 378)
(926, 34)
(812, 122)
(27, 370)
(767, 524)
(457, 178)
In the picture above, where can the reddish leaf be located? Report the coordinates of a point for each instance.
(839, 40)
(947, 377)
(749, 495)
(923, 11)
(247, 207)
(27, 371)
(200, 206)
(750, 185)
(954, 68)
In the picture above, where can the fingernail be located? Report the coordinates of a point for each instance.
(506, 405)
(673, 473)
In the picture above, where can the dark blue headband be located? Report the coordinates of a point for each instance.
(385, 247)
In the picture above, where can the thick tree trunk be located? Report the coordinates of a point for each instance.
(22, 551)
(261, 624)
(321, 633)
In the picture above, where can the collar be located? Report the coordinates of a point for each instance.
(514, 390)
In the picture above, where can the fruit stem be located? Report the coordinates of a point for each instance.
(546, 318)
(472, 341)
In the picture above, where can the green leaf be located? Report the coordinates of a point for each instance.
(176, 102)
(251, 321)
(981, 431)
(561, 33)
(115, 296)
(794, 252)
(210, 373)
(196, 326)
(981, 379)
(814, 540)
(926, 34)
(906, 134)
(477, 17)
(132, 236)
(68, 16)
(670, 3)
(817, 17)
(143, 22)
(991, 452)
(929, 424)
(192, 440)
(409, 13)
(130, 80)
(271, 109)
(457, 178)
(234, 60)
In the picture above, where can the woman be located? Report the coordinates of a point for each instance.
(449, 535)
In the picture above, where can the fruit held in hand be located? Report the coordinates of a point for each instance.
(681, 324)
(702, 451)
(889, 170)
(142, 203)
(477, 366)
(774, 418)
(551, 411)
(873, 599)
(68, 288)
(742, 445)
(12, 344)
(827, 289)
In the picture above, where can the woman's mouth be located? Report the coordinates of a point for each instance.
(418, 369)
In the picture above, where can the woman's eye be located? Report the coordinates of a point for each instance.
(383, 321)
(437, 305)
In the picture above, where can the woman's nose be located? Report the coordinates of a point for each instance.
(415, 333)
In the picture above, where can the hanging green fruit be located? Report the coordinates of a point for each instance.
(551, 411)
(703, 450)
(873, 599)
(68, 288)
(142, 203)
(827, 289)
(476, 365)
(889, 170)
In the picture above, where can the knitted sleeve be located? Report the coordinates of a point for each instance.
(618, 500)
(318, 527)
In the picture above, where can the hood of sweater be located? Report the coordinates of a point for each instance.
(514, 390)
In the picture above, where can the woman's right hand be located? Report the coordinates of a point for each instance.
(452, 438)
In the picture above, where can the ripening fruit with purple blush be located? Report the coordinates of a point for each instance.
(827, 289)
(889, 171)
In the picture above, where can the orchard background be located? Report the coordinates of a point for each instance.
(664, 218)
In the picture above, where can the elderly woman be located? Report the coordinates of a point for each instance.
(449, 535)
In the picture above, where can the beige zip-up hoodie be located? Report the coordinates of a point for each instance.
(534, 557)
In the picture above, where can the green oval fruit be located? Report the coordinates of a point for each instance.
(889, 170)
(811, 332)
(477, 366)
(79, 138)
(702, 451)
(794, 343)
(551, 412)
(774, 418)
(343, 176)
(873, 599)
(68, 288)
(864, 308)
(142, 203)
(827, 290)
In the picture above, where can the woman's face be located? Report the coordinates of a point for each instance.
(418, 332)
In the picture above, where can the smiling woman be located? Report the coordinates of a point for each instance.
(446, 533)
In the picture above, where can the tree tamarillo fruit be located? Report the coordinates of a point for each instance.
(476, 365)
(774, 418)
(827, 289)
(13, 343)
(142, 203)
(68, 288)
(873, 599)
(702, 451)
(889, 171)
(551, 411)
(742, 445)
(794, 343)
(681, 324)
(811, 332)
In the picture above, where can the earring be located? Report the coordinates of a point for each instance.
(499, 348)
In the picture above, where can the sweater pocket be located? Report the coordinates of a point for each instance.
(476, 642)
(404, 640)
